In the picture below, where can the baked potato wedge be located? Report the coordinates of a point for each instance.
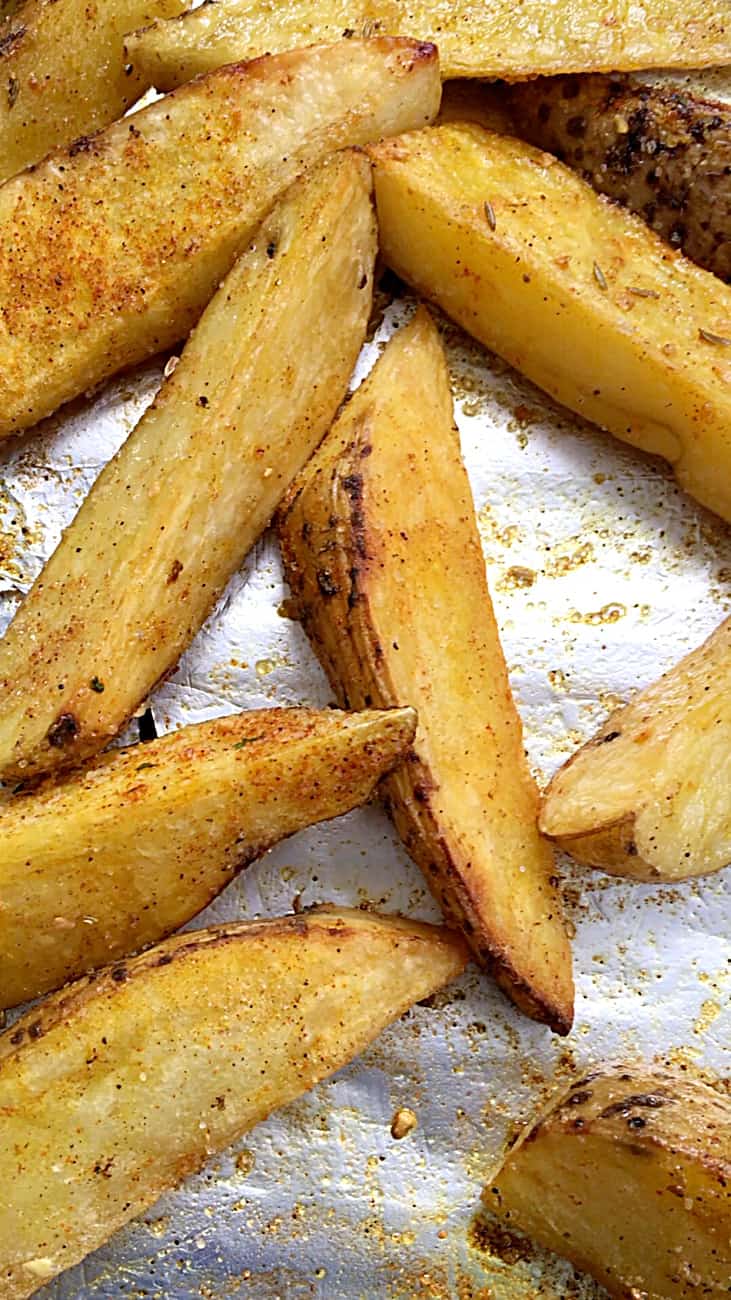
(120, 1085)
(662, 151)
(110, 250)
(390, 585)
(167, 825)
(63, 72)
(649, 796)
(574, 291)
(475, 39)
(172, 516)
(628, 1174)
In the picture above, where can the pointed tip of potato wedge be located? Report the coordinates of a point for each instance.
(372, 573)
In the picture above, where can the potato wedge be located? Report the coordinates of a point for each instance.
(119, 1086)
(650, 795)
(628, 1174)
(110, 251)
(569, 288)
(372, 569)
(174, 513)
(475, 39)
(661, 151)
(63, 72)
(167, 826)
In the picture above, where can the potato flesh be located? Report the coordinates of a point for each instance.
(552, 290)
(63, 72)
(629, 1176)
(474, 39)
(650, 795)
(129, 1081)
(175, 512)
(373, 574)
(166, 826)
(110, 251)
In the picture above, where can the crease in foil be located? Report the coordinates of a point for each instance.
(603, 574)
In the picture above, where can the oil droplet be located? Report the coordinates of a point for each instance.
(263, 667)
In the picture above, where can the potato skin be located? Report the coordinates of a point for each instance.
(173, 515)
(110, 250)
(126, 1081)
(64, 74)
(628, 1174)
(616, 325)
(475, 39)
(167, 826)
(663, 152)
(649, 796)
(372, 573)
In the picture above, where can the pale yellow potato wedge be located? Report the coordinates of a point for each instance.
(63, 72)
(475, 39)
(119, 1086)
(110, 250)
(175, 512)
(165, 827)
(383, 557)
(650, 795)
(628, 1174)
(569, 288)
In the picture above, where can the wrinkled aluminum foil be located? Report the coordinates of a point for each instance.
(603, 573)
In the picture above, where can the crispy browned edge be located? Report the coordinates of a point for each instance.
(661, 151)
(406, 792)
(62, 1005)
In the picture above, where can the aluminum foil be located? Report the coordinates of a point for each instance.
(603, 573)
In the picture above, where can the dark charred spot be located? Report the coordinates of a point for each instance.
(365, 451)
(202, 400)
(353, 484)
(176, 569)
(84, 144)
(13, 90)
(17, 1037)
(636, 1122)
(577, 1123)
(271, 249)
(645, 1100)
(610, 736)
(326, 585)
(579, 1098)
(306, 531)
(35, 1030)
(63, 731)
(119, 974)
(421, 793)
(363, 281)
(11, 40)
(576, 127)
(165, 959)
(631, 849)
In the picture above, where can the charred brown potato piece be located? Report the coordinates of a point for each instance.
(661, 151)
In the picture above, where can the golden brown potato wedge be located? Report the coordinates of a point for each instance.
(166, 826)
(660, 150)
(650, 795)
(63, 72)
(383, 557)
(175, 512)
(110, 250)
(475, 39)
(628, 1174)
(120, 1085)
(572, 290)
